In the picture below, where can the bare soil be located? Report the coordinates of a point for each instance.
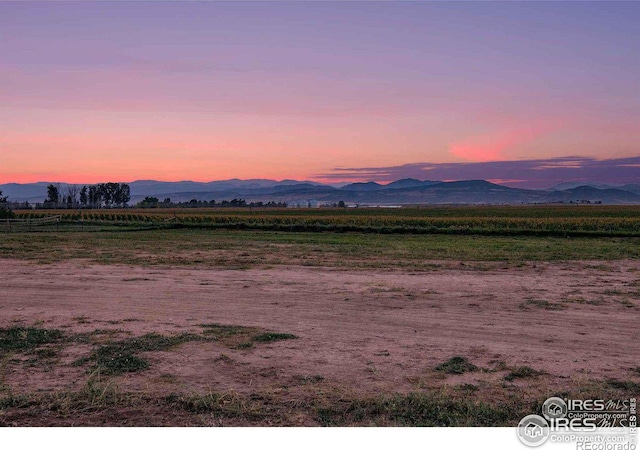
(366, 332)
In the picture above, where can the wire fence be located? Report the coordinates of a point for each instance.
(48, 223)
(61, 223)
(30, 223)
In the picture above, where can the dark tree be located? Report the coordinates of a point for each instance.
(71, 195)
(53, 195)
(123, 194)
(83, 196)
(5, 213)
(110, 193)
(149, 202)
(94, 196)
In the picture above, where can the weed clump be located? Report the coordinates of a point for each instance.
(271, 337)
(23, 339)
(522, 372)
(456, 365)
(225, 405)
(121, 357)
(544, 304)
(221, 331)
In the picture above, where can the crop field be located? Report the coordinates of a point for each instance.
(438, 316)
(511, 220)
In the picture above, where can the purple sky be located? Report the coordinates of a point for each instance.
(212, 90)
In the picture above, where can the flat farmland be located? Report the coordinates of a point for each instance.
(426, 316)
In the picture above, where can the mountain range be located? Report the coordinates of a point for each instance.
(400, 192)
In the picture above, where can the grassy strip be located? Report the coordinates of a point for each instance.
(404, 213)
(102, 403)
(452, 229)
(421, 410)
(229, 248)
(413, 409)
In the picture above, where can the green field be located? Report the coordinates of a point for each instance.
(243, 238)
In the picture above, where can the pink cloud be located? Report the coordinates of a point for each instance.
(494, 146)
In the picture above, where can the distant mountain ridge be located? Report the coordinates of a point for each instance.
(401, 192)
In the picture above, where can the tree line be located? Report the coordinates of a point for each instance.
(107, 195)
(154, 202)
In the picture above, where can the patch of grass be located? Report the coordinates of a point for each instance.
(224, 358)
(121, 356)
(221, 331)
(498, 365)
(614, 292)
(97, 336)
(225, 405)
(522, 372)
(624, 385)
(42, 357)
(628, 303)
(308, 379)
(96, 395)
(23, 339)
(232, 336)
(272, 337)
(419, 409)
(11, 400)
(635, 370)
(115, 364)
(46, 353)
(456, 365)
(81, 319)
(542, 304)
(467, 387)
(584, 301)
(239, 337)
(244, 345)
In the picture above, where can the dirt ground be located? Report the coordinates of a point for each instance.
(369, 331)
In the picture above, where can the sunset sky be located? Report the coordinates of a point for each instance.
(325, 91)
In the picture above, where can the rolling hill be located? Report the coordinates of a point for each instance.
(400, 192)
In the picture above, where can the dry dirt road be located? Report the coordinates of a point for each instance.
(372, 330)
